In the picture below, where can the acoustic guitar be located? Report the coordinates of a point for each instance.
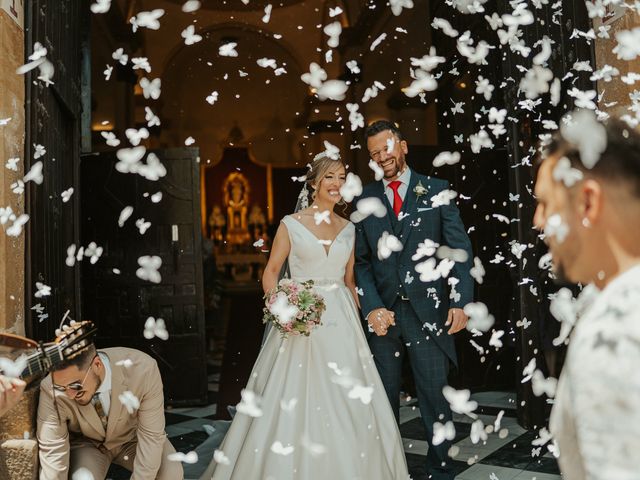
(41, 357)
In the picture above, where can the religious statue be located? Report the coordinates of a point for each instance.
(217, 223)
(257, 222)
(236, 199)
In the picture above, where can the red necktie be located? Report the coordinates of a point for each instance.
(397, 200)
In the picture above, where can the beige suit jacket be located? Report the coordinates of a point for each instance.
(63, 423)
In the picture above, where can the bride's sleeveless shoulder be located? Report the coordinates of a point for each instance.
(345, 222)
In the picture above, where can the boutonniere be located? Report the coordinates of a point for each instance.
(419, 190)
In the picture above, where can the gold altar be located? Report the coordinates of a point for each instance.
(241, 197)
(236, 190)
(236, 205)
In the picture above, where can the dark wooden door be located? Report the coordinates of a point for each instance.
(115, 298)
(53, 121)
(482, 179)
(558, 24)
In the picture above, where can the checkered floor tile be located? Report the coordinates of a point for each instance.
(506, 455)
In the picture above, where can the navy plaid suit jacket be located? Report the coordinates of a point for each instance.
(383, 280)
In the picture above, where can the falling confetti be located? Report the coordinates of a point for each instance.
(129, 401)
(249, 405)
(189, 457)
(149, 266)
(155, 328)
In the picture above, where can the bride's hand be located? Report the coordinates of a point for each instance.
(380, 320)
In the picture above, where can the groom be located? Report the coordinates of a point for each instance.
(402, 310)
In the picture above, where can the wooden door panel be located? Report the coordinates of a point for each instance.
(52, 116)
(523, 136)
(118, 301)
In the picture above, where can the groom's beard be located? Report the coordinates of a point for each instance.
(398, 171)
(560, 268)
(560, 278)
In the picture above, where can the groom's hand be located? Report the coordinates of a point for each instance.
(457, 319)
(380, 319)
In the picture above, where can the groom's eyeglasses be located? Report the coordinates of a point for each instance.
(75, 386)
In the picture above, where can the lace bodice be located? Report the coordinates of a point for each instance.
(309, 259)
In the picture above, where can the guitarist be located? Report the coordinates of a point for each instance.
(10, 393)
(11, 387)
(101, 407)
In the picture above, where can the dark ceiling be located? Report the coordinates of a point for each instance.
(239, 6)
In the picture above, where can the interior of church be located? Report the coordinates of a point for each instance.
(256, 127)
(251, 125)
(225, 99)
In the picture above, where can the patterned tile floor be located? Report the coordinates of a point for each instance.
(501, 457)
(507, 456)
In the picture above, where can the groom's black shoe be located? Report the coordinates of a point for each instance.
(440, 475)
(419, 473)
(424, 476)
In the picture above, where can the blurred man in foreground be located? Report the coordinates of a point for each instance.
(588, 192)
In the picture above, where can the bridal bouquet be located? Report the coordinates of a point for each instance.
(293, 308)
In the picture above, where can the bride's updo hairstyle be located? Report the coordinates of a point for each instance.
(319, 167)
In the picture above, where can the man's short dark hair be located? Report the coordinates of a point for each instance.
(620, 161)
(382, 126)
(81, 360)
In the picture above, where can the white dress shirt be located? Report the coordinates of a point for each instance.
(402, 189)
(105, 387)
(596, 414)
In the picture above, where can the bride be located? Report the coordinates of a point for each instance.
(323, 413)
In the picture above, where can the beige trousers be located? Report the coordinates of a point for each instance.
(97, 461)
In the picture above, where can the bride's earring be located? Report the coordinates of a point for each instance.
(586, 223)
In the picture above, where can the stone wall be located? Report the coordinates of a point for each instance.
(12, 98)
(616, 90)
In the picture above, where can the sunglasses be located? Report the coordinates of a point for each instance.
(75, 386)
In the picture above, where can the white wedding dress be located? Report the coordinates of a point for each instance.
(325, 413)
